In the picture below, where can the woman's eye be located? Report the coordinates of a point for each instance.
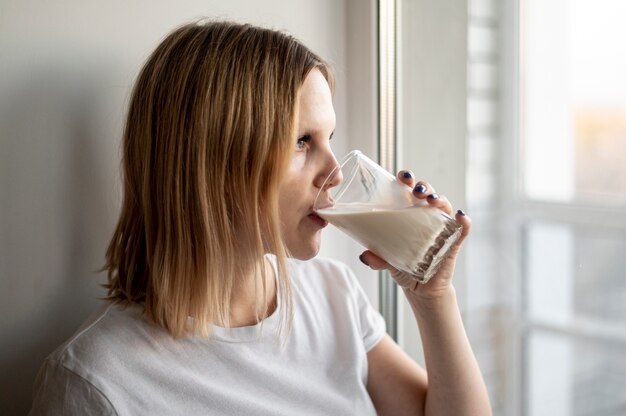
(303, 141)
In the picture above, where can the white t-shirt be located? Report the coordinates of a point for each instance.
(120, 364)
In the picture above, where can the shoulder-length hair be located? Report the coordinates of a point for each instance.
(209, 135)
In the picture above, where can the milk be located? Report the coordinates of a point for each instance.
(414, 239)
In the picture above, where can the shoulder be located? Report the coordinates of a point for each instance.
(72, 380)
(59, 390)
(325, 278)
(107, 343)
(109, 321)
(331, 283)
(82, 336)
(323, 271)
(322, 266)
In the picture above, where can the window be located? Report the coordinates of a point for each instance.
(570, 207)
(546, 272)
(543, 282)
(573, 101)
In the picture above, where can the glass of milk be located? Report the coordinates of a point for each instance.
(381, 213)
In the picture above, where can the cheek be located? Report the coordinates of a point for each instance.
(297, 164)
(287, 203)
(291, 186)
(290, 200)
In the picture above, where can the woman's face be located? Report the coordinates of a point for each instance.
(311, 163)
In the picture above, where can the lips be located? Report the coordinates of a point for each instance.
(326, 203)
(321, 222)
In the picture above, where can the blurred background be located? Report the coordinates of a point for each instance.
(515, 109)
(546, 182)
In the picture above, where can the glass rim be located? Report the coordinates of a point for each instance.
(344, 185)
(348, 176)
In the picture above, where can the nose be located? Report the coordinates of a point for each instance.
(331, 174)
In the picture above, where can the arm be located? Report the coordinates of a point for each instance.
(454, 384)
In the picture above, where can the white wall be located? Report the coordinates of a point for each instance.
(66, 69)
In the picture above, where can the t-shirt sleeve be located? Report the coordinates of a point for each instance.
(60, 391)
(371, 322)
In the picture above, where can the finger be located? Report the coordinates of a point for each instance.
(376, 263)
(373, 261)
(466, 222)
(441, 202)
(422, 189)
(406, 177)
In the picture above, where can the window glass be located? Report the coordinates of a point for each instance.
(566, 375)
(575, 276)
(573, 101)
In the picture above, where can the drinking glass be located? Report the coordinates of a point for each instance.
(381, 213)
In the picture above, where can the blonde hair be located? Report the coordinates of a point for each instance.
(209, 135)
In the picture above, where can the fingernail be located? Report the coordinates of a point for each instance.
(461, 212)
(363, 260)
(407, 174)
(420, 189)
(433, 196)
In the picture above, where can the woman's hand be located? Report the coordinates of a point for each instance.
(440, 283)
(454, 384)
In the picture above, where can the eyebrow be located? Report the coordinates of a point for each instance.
(315, 133)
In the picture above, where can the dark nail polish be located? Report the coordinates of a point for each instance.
(433, 196)
(407, 174)
(420, 189)
(363, 260)
(461, 212)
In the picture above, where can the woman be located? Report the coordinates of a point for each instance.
(216, 305)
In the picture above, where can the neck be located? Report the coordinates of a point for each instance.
(247, 297)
